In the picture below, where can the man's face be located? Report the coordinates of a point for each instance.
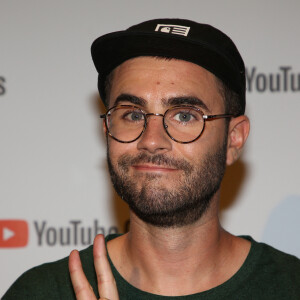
(166, 183)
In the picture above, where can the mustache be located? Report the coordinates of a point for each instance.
(125, 161)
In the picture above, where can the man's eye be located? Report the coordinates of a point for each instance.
(134, 116)
(184, 117)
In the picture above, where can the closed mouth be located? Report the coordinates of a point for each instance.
(153, 168)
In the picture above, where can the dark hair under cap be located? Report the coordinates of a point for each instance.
(182, 39)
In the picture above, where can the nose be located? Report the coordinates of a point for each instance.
(155, 139)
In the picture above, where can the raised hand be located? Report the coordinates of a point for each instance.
(106, 282)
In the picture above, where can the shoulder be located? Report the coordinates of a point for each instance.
(277, 258)
(273, 272)
(49, 280)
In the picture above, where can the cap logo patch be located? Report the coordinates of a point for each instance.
(173, 29)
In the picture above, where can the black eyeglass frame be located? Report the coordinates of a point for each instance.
(165, 126)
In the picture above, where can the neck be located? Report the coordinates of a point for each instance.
(177, 261)
(174, 241)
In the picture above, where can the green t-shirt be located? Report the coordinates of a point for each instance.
(266, 274)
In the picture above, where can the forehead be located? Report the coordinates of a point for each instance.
(158, 79)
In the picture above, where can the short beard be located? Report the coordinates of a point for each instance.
(182, 205)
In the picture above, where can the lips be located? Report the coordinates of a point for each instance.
(154, 163)
(153, 168)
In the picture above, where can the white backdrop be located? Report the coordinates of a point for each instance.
(53, 174)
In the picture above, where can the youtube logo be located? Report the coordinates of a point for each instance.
(13, 233)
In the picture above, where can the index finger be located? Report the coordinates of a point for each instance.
(107, 286)
(81, 286)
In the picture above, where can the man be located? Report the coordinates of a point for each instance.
(175, 93)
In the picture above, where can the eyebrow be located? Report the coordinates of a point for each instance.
(187, 100)
(130, 98)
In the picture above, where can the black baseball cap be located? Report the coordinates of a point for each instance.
(187, 40)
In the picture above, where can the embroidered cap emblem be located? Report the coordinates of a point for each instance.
(173, 29)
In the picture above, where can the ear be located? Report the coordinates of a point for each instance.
(238, 132)
(104, 127)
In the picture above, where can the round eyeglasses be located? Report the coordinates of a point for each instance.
(183, 124)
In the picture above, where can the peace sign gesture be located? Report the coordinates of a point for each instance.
(106, 282)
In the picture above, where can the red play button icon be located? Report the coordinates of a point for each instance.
(13, 233)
